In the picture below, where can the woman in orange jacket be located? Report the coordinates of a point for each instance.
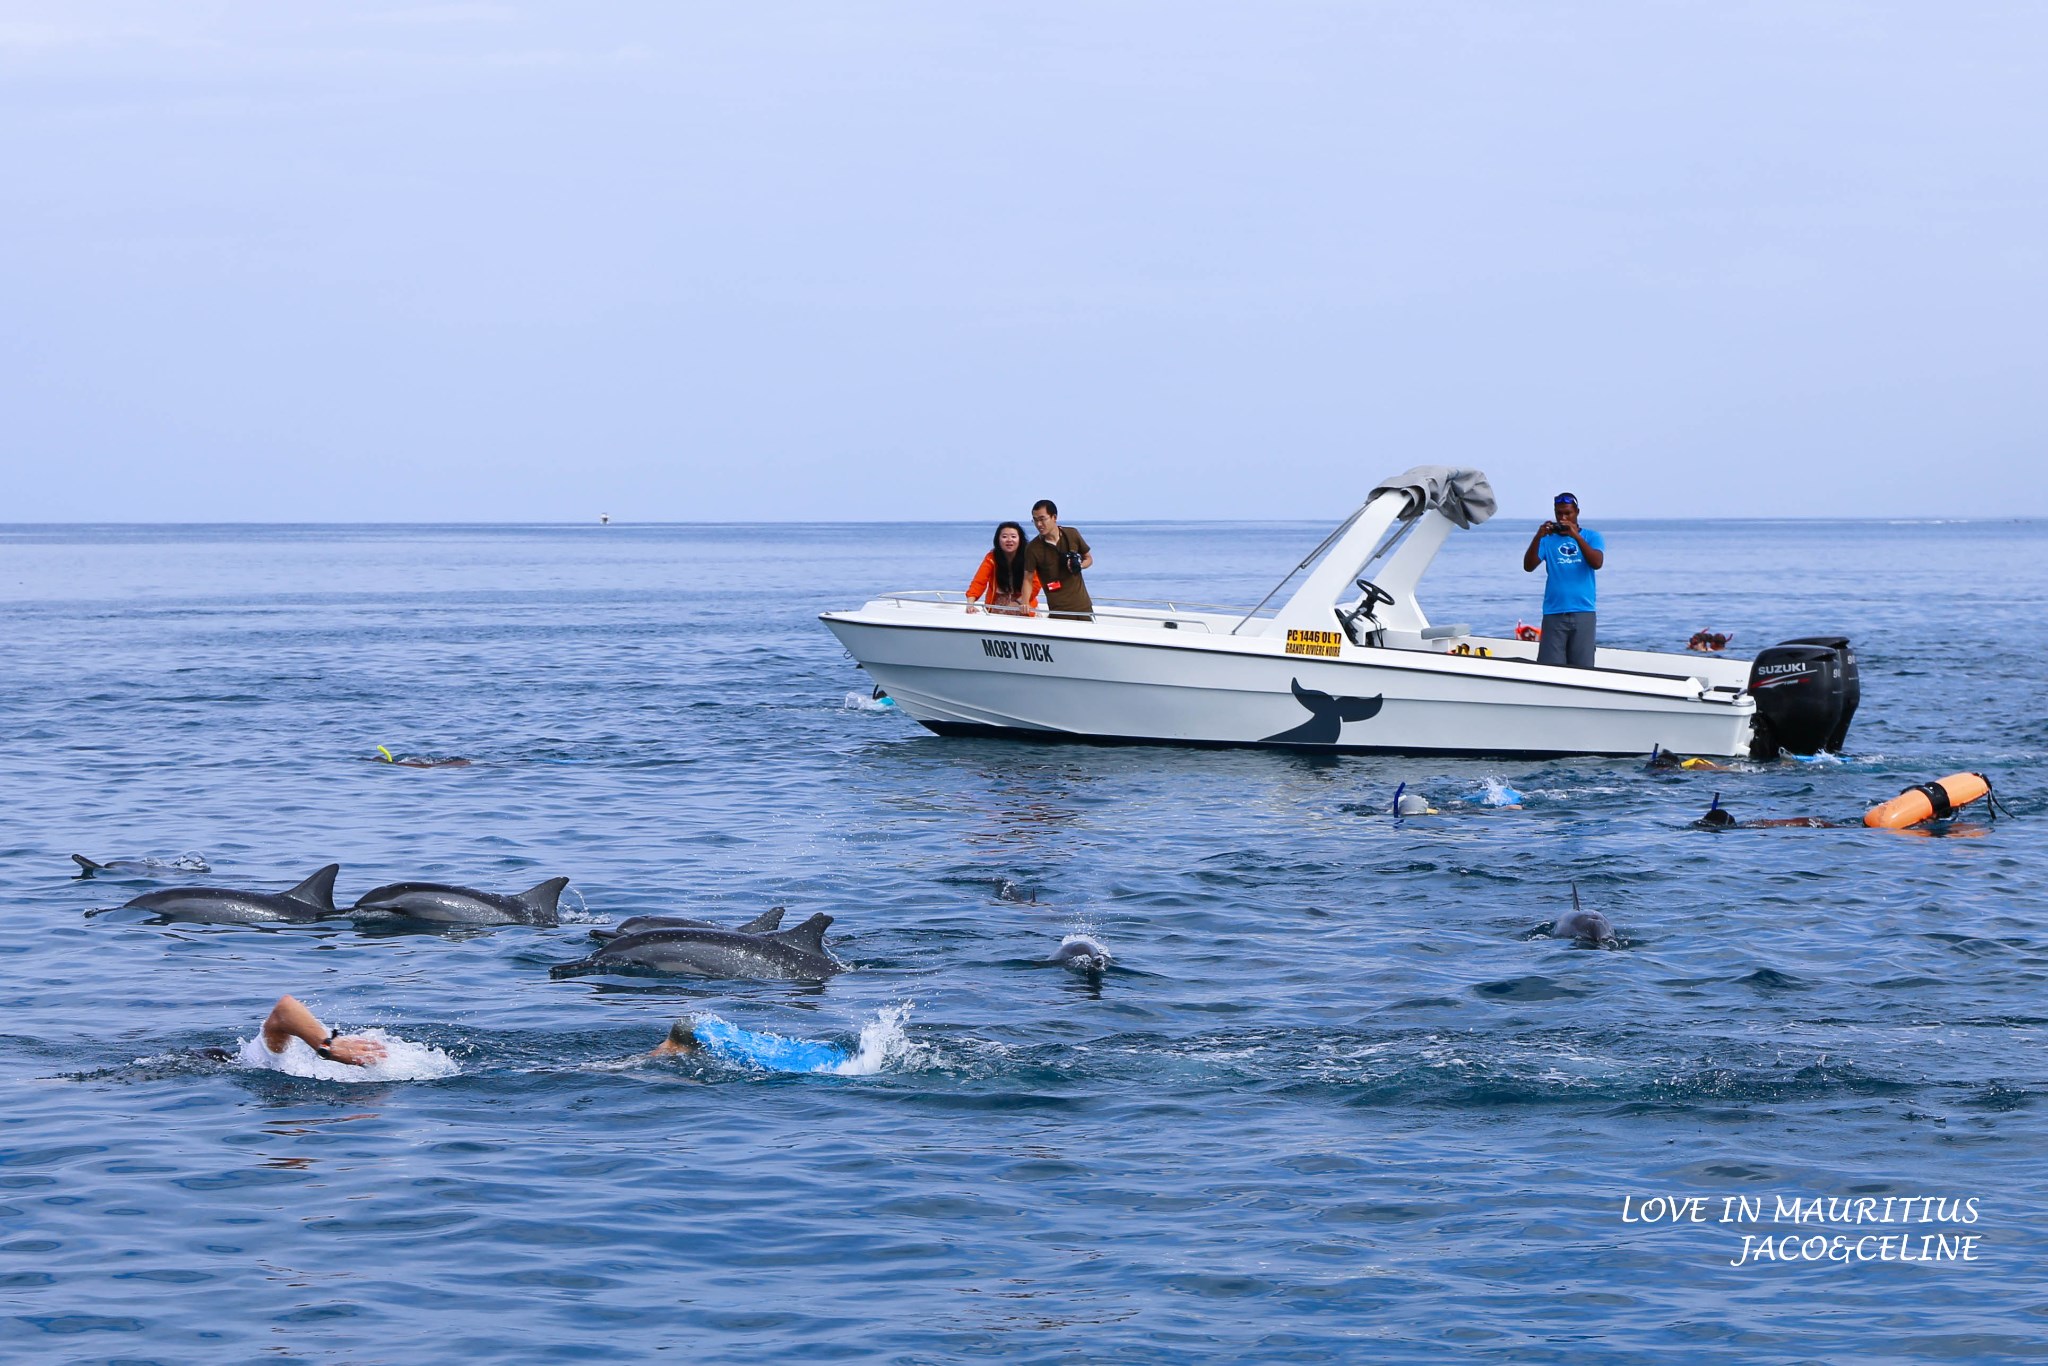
(1004, 583)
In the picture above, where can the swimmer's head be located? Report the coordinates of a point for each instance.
(1718, 817)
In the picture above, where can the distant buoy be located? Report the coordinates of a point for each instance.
(1935, 801)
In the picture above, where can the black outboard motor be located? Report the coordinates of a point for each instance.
(1806, 691)
(1852, 687)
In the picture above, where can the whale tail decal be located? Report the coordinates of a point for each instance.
(317, 891)
(1327, 715)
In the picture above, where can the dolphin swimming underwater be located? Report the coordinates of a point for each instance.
(436, 903)
(1080, 953)
(121, 868)
(1587, 929)
(792, 955)
(311, 900)
(765, 923)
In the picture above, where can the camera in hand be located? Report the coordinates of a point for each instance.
(1072, 561)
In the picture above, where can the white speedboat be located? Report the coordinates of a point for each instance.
(1348, 663)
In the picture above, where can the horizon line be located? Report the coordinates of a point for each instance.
(1920, 519)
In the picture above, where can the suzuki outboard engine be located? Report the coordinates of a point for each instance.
(1852, 687)
(1806, 690)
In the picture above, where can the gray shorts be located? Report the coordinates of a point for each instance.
(1567, 639)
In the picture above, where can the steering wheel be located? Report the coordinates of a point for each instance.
(1375, 597)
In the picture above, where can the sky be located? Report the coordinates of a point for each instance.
(273, 260)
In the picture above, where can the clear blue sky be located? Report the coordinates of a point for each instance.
(274, 260)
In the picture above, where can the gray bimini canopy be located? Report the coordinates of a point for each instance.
(1464, 496)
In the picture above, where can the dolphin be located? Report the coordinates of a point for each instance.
(139, 867)
(1587, 929)
(765, 923)
(1327, 716)
(795, 955)
(1082, 954)
(439, 904)
(311, 900)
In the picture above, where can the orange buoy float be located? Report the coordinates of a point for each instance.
(1524, 631)
(1935, 801)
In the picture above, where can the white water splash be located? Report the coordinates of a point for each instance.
(1095, 947)
(862, 702)
(581, 914)
(884, 1044)
(403, 1061)
(1498, 793)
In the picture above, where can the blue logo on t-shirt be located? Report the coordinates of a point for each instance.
(1569, 585)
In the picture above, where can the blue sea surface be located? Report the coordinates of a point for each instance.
(1332, 1101)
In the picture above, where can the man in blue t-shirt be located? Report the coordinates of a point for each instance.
(1569, 556)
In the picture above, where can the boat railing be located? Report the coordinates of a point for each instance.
(1181, 615)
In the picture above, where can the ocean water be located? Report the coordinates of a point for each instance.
(1332, 1101)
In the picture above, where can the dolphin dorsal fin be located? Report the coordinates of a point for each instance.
(1575, 896)
(809, 936)
(87, 865)
(1397, 798)
(317, 891)
(765, 923)
(543, 896)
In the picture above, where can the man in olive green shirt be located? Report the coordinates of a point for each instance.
(1058, 554)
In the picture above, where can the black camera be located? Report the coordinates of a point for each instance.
(1072, 561)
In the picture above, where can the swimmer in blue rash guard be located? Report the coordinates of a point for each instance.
(730, 1043)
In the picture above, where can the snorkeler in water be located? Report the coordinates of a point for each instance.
(420, 761)
(1719, 817)
(1661, 758)
(291, 1024)
(729, 1043)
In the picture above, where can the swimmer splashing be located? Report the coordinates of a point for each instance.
(730, 1043)
(385, 756)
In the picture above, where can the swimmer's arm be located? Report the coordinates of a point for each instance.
(290, 1020)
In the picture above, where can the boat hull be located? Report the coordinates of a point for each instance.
(1133, 683)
